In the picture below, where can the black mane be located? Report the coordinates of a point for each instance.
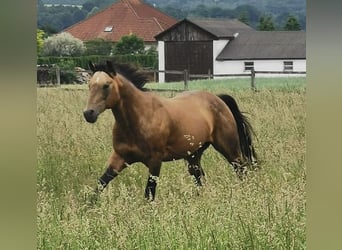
(129, 71)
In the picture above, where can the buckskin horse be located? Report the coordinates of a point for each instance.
(152, 129)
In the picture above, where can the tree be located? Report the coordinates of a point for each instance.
(57, 18)
(175, 12)
(252, 13)
(129, 45)
(243, 17)
(63, 44)
(292, 24)
(88, 6)
(40, 40)
(201, 11)
(98, 46)
(266, 23)
(93, 11)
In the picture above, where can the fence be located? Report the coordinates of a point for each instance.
(252, 75)
(48, 75)
(52, 75)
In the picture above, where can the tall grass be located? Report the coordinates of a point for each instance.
(266, 211)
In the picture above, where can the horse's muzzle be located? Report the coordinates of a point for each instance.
(90, 115)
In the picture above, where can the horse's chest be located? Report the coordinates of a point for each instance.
(130, 152)
(130, 149)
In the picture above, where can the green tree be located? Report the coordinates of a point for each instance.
(201, 11)
(129, 45)
(266, 23)
(175, 12)
(292, 23)
(98, 46)
(252, 13)
(40, 41)
(243, 17)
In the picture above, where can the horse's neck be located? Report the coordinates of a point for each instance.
(130, 105)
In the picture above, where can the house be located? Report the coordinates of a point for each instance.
(227, 46)
(263, 51)
(123, 18)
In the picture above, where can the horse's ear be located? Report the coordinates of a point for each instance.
(110, 68)
(91, 66)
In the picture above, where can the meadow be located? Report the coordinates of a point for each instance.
(265, 211)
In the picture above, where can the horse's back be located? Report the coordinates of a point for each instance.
(192, 105)
(199, 103)
(194, 116)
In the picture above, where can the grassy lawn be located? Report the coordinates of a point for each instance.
(266, 211)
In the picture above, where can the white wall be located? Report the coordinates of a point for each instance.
(299, 65)
(238, 66)
(161, 60)
(218, 46)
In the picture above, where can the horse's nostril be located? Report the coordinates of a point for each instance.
(88, 112)
(90, 115)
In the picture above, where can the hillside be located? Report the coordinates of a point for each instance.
(252, 10)
(71, 2)
(271, 6)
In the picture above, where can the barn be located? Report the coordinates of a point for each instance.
(227, 46)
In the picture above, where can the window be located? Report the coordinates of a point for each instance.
(288, 65)
(108, 29)
(249, 66)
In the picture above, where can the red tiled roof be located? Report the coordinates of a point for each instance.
(126, 17)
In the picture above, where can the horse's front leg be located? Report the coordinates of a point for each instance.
(115, 165)
(154, 170)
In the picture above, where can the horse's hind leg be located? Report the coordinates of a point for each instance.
(196, 171)
(194, 165)
(230, 149)
(240, 168)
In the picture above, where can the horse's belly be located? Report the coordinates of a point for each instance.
(184, 147)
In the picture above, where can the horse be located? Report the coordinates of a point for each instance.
(152, 129)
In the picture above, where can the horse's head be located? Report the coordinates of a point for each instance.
(103, 91)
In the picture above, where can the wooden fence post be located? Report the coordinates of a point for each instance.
(253, 79)
(209, 74)
(186, 77)
(58, 76)
(155, 75)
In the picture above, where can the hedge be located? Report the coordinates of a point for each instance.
(145, 61)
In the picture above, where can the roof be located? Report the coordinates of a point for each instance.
(123, 18)
(218, 28)
(222, 28)
(265, 45)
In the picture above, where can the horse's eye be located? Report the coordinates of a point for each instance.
(106, 86)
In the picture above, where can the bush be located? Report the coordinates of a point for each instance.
(63, 44)
(145, 61)
(68, 77)
(98, 46)
(129, 45)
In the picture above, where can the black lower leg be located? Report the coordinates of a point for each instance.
(109, 175)
(197, 172)
(240, 169)
(150, 190)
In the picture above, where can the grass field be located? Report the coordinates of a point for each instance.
(266, 211)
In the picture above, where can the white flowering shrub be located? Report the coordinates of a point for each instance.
(63, 44)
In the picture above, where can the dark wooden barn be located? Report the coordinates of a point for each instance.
(189, 44)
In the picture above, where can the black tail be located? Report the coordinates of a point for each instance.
(245, 130)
